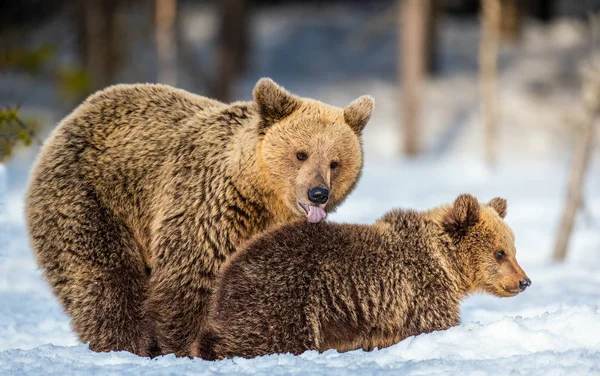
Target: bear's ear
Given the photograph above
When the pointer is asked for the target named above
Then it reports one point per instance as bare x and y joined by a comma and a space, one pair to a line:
358, 113
499, 204
274, 102
463, 214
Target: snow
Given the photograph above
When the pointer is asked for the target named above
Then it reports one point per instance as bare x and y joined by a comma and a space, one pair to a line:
553, 328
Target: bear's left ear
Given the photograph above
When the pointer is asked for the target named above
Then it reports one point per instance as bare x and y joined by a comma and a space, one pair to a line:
358, 113
499, 204
464, 214
274, 102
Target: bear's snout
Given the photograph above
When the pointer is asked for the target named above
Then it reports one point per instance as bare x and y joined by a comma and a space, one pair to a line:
524, 283
318, 195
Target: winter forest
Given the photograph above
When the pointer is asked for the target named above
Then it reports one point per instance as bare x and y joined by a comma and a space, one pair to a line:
496, 98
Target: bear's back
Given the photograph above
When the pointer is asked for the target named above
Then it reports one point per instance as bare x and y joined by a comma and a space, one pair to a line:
301, 248
300, 253
304, 286
137, 110
267, 286
124, 143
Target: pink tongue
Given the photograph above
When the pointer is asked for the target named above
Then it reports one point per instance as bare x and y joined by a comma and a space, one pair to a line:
315, 214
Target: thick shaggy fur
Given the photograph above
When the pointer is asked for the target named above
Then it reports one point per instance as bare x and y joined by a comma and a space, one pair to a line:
339, 286
144, 191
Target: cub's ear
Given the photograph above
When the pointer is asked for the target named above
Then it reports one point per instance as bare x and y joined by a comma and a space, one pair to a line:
499, 204
463, 214
358, 113
274, 102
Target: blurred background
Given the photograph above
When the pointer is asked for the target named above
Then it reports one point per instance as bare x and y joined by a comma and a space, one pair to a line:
464, 89
490, 97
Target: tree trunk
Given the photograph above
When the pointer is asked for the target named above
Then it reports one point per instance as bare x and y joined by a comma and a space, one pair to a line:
166, 43
511, 20
233, 45
543, 10
431, 38
413, 14
574, 197
584, 143
488, 76
100, 41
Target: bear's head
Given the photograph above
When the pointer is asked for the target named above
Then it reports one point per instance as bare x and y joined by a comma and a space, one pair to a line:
310, 154
485, 246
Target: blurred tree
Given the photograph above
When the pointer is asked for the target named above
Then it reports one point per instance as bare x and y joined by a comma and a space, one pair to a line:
99, 40
231, 51
583, 145
511, 19
381, 21
413, 26
543, 10
432, 35
488, 76
581, 158
233, 45
166, 43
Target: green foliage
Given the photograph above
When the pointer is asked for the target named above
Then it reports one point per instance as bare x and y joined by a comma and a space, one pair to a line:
74, 82
14, 131
30, 61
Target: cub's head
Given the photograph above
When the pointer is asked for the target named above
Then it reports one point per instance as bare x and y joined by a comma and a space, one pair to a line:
310, 153
485, 246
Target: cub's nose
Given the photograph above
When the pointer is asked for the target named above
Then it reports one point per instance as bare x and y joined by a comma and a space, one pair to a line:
318, 195
524, 283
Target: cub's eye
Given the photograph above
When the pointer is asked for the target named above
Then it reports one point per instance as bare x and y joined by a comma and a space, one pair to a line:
334, 165
301, 156
500, 255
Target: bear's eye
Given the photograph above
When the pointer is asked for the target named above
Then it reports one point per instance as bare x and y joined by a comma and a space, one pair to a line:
500, 255
301, 156
334, 165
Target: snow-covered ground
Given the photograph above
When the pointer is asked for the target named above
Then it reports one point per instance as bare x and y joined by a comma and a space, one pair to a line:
552, 328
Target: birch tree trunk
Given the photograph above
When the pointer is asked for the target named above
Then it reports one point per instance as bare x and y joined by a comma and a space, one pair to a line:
413, 25
584, 144
488, 76
581, 158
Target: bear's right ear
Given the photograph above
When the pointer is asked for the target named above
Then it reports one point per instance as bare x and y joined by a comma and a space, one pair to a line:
499, 205
358, 113
464, 214
274, 102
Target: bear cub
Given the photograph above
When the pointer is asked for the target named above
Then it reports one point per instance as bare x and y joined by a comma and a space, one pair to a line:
305, 287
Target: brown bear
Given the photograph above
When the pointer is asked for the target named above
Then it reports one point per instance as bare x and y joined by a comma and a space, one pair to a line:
305, 287
144, 191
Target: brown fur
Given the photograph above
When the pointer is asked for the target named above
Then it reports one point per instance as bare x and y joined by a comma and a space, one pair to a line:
144, 191
340, 286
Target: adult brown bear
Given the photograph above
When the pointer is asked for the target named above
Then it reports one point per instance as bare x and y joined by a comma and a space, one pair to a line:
144, 191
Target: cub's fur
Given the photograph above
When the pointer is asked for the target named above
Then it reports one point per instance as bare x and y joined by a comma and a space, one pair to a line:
340, 286
144, 191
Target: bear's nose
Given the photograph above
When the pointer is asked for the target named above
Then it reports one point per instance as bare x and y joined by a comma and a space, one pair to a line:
318, 195
524, 283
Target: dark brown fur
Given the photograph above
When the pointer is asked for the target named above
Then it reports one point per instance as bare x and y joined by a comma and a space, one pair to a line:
339, 286
144, 191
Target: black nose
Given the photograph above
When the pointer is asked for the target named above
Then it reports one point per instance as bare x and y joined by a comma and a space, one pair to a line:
318, 195
525, 283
